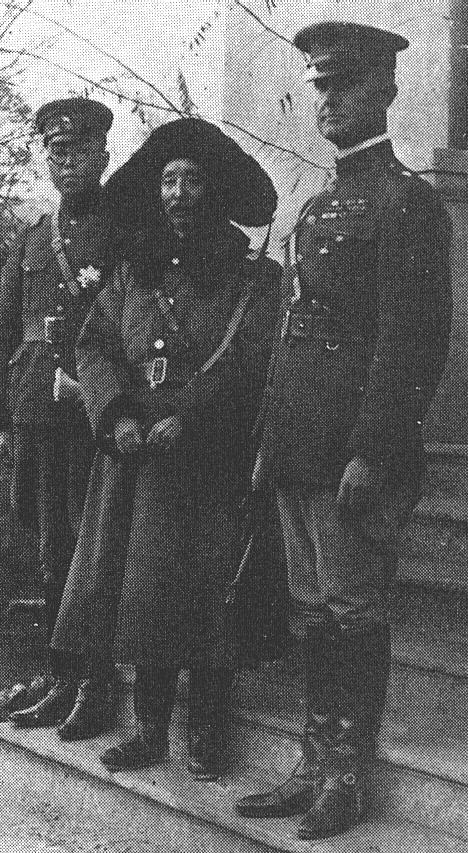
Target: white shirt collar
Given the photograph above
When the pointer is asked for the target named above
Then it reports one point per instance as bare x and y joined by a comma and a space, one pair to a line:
368, 143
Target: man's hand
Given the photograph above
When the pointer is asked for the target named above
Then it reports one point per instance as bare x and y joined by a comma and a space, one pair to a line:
5, 444
128, 435
358, 487
165, 433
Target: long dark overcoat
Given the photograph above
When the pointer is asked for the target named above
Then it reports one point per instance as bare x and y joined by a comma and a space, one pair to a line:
154, 551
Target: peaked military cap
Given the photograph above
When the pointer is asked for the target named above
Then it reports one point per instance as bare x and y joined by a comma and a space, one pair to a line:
73, 117
338, 47
244, 191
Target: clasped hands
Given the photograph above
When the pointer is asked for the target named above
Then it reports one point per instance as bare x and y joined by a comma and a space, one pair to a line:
129, 435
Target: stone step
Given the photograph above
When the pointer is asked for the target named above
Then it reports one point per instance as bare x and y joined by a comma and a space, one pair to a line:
165, 809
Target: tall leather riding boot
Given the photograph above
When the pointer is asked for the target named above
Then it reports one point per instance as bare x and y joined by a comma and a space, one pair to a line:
208, 721
95, 708
348, 744
154, 695
297, 794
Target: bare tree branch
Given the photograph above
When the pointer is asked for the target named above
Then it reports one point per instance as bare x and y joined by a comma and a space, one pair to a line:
103, 52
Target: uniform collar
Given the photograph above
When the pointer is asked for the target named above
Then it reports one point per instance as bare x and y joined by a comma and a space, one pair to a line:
362, 146
363, 155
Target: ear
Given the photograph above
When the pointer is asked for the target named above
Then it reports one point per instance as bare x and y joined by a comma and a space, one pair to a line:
391, 92
105, 157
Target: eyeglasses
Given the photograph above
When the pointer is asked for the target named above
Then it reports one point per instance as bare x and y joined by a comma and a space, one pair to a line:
76, 153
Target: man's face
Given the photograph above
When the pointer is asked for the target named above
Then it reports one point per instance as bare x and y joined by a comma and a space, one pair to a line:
76, 165
183, 194
352, 108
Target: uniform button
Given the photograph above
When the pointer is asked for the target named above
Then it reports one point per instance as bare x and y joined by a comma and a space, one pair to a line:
61, 285
159, 344
73, 222
176, 261
324, 250
59, 308
171, 300
335, 202
339, 238
419, 423
67, 241
299, 257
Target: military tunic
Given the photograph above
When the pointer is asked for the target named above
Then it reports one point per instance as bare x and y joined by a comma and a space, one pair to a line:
52, 442
367, 311
154, 551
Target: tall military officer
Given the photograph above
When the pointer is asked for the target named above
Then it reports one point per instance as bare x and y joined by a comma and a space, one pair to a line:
367, 311
48, 284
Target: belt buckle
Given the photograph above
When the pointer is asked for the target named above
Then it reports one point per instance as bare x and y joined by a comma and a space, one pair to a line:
158, 371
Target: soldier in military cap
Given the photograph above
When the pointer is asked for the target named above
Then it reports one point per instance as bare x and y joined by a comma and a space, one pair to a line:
364, 339
48, 284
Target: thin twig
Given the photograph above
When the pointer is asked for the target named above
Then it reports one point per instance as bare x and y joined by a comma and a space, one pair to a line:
103, 52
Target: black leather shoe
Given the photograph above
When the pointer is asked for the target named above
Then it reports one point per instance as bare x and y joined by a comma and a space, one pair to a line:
13, 699
149, 747
92, 714
53, 708
339, 807
294, 796
207, 752
21, 696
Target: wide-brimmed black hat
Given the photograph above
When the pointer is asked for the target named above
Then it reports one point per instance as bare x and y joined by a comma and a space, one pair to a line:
243, 190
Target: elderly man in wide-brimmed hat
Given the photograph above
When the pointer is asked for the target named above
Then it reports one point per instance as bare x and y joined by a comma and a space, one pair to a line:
171, 361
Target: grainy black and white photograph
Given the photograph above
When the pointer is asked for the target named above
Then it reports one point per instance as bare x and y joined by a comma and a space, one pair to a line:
233, 426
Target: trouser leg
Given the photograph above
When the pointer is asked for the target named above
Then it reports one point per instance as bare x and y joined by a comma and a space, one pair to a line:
338, 582
49, 444
352, 575
56, 538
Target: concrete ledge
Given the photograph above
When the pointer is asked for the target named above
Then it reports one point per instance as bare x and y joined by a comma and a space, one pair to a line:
401, 799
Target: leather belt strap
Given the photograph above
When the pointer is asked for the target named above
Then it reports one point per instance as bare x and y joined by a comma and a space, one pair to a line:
231, 330
62, 260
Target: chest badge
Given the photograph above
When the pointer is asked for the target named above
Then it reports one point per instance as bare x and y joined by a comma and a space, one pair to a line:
88, 275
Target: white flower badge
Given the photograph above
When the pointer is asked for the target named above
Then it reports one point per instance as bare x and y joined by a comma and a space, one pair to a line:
88, 275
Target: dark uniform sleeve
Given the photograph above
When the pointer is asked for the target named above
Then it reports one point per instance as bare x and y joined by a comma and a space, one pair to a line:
242, 370
415, 309
10, 318
101, 364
